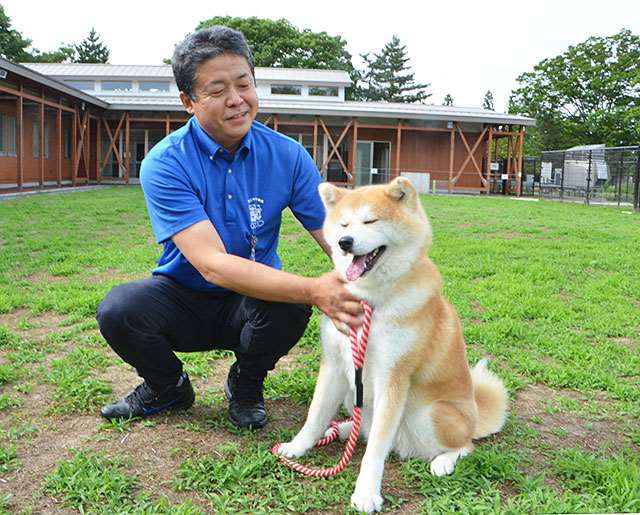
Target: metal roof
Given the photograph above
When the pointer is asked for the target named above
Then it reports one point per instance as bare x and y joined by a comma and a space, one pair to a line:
97, 71
23, 71
345, 109
303, 106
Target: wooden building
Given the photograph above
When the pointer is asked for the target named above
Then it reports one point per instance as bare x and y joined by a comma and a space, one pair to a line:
74, 124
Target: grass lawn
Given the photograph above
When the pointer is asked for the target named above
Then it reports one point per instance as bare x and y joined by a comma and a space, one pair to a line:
549, 291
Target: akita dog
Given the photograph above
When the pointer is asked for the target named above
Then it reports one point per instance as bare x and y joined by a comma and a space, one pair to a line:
420, 397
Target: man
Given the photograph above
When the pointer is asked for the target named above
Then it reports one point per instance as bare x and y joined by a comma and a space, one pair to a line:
215, 190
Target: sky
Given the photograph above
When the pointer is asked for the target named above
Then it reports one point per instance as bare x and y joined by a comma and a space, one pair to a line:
463, 48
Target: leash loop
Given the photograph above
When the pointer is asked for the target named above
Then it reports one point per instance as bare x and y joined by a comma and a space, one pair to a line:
358, 350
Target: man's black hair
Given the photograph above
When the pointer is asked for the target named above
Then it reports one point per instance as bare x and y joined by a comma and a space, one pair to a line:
203, 45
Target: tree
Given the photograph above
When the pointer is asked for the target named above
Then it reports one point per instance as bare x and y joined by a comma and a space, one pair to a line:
66, 53
586, 95
91, 49
387, 79
487, 103
448, 100
280, 44
12, 45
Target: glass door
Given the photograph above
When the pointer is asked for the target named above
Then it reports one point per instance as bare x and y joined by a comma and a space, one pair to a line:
364, 162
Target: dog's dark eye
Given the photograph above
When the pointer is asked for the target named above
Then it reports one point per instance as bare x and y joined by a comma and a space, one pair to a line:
369, 221
344, 224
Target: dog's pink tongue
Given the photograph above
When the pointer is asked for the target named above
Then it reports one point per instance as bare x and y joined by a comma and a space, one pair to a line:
356, 268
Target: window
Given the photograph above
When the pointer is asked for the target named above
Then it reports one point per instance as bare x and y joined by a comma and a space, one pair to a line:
154, 86
7, 135
36, 140
67, 142
84, 85
322, 91
119, 86
282, 89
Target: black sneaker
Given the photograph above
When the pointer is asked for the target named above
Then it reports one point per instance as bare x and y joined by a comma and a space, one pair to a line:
144, 401
246, 403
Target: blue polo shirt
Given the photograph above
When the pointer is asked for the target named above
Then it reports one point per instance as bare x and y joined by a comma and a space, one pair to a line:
188, 177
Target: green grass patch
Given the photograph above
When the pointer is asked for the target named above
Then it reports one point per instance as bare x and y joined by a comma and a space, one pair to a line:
550, 291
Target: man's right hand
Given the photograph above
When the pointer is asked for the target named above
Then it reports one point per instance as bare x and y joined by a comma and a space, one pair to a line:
334, 300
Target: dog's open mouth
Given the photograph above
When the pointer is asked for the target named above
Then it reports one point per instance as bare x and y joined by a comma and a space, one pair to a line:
362, 264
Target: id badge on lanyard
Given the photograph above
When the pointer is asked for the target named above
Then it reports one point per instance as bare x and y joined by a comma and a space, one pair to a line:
253, 241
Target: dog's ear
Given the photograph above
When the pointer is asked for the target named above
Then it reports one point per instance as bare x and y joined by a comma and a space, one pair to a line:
330, 194
402, 190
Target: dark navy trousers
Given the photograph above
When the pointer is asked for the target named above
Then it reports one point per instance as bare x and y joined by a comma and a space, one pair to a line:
145, 321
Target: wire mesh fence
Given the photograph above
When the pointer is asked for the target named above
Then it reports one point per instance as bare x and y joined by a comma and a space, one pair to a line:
592, 174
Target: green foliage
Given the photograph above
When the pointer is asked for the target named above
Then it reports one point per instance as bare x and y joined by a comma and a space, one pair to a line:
12, 45
487, 102
448, 100
66, 53
589, 94
280, 44
387, 78
91, 49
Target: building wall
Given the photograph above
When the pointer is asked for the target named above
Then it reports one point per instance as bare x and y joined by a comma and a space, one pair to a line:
31, 165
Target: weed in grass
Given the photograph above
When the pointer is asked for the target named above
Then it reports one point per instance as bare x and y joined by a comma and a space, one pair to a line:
8, 459
248, 479
6, 402
75, 390
120, 425
25, 388
613, 483
7, 373
89, 482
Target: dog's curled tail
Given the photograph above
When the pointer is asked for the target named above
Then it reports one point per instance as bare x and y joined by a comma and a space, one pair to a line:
491, 399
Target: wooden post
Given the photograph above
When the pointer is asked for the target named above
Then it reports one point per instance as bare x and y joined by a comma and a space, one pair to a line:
489, 143
509, 145
127, 153
42, 142
167, 125
74, 155
315, 140
398, 144
98, 150
520, 151
452, 143
275, 122
60, 144
354, 150
20, 141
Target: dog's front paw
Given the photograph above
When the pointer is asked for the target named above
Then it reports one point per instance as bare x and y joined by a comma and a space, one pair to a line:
442, 465
366, 501
293, 449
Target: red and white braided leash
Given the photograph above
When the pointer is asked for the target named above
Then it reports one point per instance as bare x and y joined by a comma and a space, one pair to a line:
358, 350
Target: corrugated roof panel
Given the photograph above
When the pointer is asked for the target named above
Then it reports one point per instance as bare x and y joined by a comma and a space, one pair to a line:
362, 109
80, 70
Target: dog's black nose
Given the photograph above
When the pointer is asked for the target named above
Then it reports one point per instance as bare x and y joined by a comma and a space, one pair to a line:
346, 243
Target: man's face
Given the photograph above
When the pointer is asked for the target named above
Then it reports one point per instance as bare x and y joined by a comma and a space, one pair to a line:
226, 101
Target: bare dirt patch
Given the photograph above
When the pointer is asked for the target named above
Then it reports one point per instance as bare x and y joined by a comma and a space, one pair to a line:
30, 326
566, 428
628, 343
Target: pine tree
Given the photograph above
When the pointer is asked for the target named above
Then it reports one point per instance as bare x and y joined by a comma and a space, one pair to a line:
387, 79
448, 100
487, 103
91, 49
